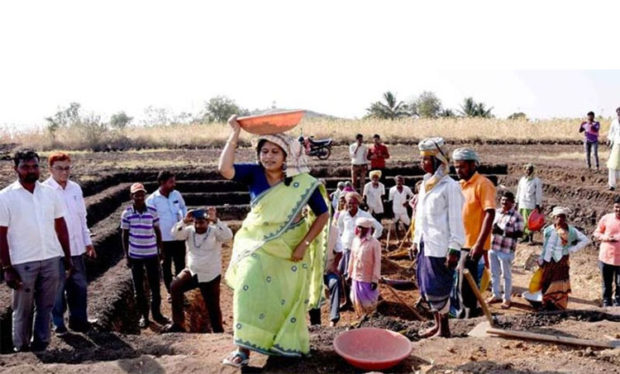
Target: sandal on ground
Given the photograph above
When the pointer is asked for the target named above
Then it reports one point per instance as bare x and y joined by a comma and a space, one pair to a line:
506, 305
236, 359
493, 300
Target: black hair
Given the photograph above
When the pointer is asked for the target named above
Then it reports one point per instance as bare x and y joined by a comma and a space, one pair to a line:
617, 200
509, 195
357, 136
591, 113
25, 154
376, 136
164, 175
259, 146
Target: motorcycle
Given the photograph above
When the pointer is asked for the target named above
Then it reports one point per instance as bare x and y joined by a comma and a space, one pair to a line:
322, 149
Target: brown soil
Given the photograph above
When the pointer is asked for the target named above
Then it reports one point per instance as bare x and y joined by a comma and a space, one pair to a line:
115, 347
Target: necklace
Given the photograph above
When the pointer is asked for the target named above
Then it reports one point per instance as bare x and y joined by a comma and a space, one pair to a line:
206, 235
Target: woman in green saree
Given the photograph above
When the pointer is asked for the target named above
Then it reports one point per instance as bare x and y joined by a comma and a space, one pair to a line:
276, 268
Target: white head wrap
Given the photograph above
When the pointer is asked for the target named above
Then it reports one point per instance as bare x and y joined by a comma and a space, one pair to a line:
465, 154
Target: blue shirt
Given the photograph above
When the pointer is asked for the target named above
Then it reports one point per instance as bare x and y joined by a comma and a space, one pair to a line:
254, 177
170, 210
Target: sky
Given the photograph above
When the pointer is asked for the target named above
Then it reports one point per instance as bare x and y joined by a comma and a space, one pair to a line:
547, 59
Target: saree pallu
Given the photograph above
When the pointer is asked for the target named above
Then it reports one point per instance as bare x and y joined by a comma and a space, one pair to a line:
556, 284
271, 292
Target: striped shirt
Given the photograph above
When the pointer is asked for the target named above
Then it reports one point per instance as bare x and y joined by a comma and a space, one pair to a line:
142, 239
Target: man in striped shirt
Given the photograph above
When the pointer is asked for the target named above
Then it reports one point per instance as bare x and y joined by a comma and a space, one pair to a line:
142, 243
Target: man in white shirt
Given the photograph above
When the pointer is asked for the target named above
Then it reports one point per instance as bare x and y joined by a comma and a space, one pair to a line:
171, 209
359, 162
439, 233
529, 197
373, 194
33, 240
204, 263
400, 195
613, 164
71, 291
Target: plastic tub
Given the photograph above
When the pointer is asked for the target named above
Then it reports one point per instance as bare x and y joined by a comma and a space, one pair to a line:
371, 348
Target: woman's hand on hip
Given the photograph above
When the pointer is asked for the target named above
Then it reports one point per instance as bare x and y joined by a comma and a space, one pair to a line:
299, 252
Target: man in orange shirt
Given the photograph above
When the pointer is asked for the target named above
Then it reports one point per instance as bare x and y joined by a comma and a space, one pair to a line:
478, 215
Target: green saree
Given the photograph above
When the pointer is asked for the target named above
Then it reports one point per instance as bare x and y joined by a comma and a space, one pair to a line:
272, 293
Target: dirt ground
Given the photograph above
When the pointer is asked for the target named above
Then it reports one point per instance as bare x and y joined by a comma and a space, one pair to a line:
566, 181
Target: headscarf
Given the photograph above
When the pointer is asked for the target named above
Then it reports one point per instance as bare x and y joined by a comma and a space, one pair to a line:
465, 154
364, 222
340, 184
375, 172
296, 162
558, 210
526, 167
435, 147
353, 195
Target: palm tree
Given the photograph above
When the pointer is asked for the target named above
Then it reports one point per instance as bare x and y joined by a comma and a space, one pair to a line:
472, 109
391, 109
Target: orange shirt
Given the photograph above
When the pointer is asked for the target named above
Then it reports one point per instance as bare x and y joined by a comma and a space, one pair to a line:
479, 194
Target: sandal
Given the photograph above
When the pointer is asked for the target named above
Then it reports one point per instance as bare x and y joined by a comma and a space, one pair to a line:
236, 359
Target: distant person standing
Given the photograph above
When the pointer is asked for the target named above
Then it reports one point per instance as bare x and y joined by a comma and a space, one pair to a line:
529, 197
359, 162
33, 240
478, 216
373, 194
377, 154
608, 233
400, 195
171, 209
613, 164
73, 290
591, 128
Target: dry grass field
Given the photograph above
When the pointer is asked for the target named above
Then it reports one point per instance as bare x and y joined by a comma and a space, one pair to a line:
342, 131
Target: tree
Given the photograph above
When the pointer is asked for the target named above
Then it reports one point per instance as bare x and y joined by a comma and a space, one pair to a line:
63, 118
517, 116
391, 109
220, 108
446, 113
472, 109
428, 105
120, 120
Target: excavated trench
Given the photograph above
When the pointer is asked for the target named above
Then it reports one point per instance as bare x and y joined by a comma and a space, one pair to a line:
111, 298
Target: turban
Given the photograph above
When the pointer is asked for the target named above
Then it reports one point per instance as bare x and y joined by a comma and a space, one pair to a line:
340, 184
375, 172
364, 222
527, 166
296, 162
353, 195
434, 147
465, 154
559, 210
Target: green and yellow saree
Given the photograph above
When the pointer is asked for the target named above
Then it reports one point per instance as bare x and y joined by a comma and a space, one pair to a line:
272, 293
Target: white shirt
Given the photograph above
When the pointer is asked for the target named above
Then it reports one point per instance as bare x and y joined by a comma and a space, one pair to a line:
373, 197
400, 198
358, 157
439, 217
170, 210
346, 225
529, 192
204, 251
30, 220
614, 132
335, 198
79, 234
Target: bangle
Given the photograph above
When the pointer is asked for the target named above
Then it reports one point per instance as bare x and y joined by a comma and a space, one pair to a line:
307, 242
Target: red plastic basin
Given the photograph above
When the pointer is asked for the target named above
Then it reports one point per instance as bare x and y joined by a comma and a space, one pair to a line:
271, 123
371, 348
536, 221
